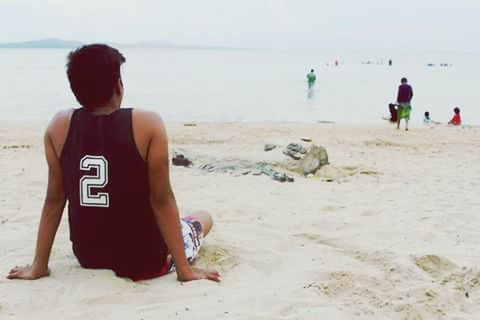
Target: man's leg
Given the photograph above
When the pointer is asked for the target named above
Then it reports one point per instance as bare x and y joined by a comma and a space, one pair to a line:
399, 108
204, 218
195, 227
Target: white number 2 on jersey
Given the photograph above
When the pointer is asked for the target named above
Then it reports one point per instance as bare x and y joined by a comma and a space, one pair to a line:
89, 182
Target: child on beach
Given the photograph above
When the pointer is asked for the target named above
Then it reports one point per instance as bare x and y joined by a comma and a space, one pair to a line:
456, 120
112, 166
427, 120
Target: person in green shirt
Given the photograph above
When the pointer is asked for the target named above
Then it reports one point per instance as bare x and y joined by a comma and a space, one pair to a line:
311, 77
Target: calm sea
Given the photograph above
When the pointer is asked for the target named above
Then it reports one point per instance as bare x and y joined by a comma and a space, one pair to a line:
252, 85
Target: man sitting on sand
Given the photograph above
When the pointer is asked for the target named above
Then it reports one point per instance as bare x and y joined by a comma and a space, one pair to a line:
111, 164
405, 95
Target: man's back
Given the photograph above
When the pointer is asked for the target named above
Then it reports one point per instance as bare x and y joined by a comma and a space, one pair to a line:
112, 224
405, 93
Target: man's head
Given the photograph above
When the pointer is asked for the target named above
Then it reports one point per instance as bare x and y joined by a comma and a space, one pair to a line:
311, 71
404, 80
456, 110
427, 114
94, 75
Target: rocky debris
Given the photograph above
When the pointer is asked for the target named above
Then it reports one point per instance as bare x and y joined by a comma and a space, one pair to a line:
296, 147
295, 151
181, 160
22, 146
282, 177
269, 147
293, 155
239, 168
309, 163
315, 158
274, 174
256, 172
305, 161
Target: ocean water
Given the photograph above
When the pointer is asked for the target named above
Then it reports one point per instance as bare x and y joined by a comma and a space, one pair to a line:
252, 85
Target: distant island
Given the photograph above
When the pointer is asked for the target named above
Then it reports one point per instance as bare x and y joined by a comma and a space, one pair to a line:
53, 43
42, 43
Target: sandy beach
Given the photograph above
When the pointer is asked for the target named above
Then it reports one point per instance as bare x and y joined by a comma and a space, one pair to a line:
388, 230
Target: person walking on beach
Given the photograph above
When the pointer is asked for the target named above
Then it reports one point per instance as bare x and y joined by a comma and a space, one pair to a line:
311, 77
404, 97
112, 166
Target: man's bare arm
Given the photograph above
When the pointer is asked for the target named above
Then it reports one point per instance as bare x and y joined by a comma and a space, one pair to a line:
164, 204
50, 220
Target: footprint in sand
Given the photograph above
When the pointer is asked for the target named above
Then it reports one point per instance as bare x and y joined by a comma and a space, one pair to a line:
447, 273
383, 143
335, 173
218, 257
397, 290
315, 238
434, 265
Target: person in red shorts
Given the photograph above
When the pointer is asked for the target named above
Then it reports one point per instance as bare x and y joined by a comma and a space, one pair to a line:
111, 164
456, 120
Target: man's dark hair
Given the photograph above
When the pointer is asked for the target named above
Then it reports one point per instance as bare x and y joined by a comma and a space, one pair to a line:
93, 71
456, 110
427, 114
311, 70
404, 80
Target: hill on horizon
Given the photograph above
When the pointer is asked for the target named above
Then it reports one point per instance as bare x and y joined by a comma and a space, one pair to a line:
54, 43
42, 43
60, 43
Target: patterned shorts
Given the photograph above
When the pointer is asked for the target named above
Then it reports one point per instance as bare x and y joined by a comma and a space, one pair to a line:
192, 239
404, 110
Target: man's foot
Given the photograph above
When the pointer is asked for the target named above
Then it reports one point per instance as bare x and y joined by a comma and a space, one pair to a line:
406, 129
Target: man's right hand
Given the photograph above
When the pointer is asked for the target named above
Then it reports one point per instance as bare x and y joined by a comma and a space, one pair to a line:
198, 274
28, 273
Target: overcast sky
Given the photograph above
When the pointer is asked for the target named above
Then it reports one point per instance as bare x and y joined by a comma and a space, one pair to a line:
385, 25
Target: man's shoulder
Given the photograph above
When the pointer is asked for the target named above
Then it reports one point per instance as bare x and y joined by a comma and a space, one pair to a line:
60, 121
147, 124
57, 130
146, 118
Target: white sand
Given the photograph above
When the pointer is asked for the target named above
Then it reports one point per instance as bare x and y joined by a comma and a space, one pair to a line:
395, 235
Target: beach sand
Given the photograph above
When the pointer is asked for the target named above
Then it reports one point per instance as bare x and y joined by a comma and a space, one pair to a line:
389, 230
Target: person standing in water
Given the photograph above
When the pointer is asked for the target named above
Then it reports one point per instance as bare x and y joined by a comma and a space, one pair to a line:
311, 77
404, 97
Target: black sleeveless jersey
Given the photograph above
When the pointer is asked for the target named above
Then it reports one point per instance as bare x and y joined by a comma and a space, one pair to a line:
112, 224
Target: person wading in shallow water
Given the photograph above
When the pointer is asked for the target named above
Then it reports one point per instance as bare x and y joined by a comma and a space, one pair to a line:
112, 166
404, 98
311, 77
